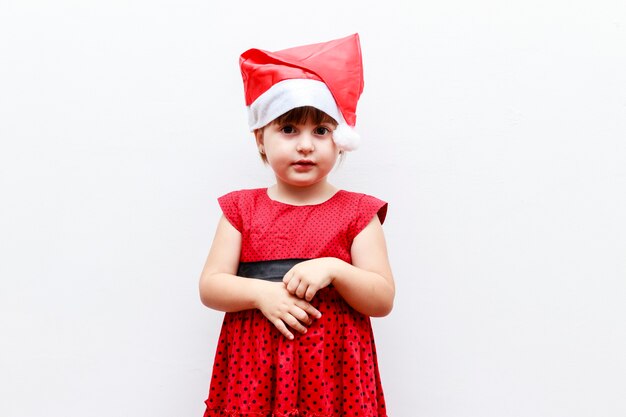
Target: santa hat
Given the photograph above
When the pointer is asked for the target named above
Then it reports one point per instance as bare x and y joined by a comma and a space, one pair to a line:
327, 76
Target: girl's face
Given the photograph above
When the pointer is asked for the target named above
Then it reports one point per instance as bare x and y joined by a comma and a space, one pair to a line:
300, 154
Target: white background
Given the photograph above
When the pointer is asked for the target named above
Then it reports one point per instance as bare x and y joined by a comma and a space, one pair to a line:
496, 130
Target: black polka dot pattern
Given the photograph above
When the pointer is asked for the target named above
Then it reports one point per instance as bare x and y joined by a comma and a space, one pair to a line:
332, 369
273, 230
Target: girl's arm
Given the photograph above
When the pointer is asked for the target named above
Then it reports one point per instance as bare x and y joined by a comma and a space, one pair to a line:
222, 290
367, 285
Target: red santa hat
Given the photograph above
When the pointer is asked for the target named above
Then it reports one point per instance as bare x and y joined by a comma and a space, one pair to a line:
327, 76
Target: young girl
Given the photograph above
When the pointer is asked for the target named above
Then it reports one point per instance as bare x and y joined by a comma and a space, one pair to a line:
300, 266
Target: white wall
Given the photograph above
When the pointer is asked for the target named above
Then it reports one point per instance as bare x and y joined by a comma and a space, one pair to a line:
496, 130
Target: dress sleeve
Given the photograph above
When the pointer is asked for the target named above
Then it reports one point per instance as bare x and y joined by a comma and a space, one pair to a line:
230, 205
367, 208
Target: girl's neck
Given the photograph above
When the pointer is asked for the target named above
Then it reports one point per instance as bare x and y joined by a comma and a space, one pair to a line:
301, 196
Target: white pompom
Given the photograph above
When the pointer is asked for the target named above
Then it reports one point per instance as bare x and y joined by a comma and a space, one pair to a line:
346, 137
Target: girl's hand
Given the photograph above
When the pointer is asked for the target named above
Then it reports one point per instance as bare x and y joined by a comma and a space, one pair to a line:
305, 279
283, 309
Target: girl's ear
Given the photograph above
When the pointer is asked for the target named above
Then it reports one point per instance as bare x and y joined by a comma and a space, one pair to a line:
258, 135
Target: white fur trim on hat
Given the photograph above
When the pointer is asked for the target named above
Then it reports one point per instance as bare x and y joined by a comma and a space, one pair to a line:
290, 94
346, 138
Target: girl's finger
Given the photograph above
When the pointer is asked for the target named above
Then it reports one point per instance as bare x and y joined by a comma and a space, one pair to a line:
301, 290
294, 323
310, 293
309, 309
278, 323
301, 315
294, 282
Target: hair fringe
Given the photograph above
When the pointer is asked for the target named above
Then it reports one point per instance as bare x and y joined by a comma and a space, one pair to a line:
301, 115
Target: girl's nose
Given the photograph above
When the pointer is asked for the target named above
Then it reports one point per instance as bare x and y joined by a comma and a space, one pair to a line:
305, 144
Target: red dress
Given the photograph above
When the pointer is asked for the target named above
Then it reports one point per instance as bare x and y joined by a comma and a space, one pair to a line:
332, 369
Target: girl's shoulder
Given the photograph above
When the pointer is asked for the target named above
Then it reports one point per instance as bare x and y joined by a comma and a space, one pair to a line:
241, 198
355, 195
363, 205
245, 193
236, 204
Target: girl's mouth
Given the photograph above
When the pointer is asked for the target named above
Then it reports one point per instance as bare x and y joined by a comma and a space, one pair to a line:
303, 165
304, 162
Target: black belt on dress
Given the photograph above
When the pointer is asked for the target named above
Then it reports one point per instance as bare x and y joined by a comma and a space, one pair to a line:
267, 270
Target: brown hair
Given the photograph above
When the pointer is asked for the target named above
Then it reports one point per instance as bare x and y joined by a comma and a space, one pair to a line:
299, 115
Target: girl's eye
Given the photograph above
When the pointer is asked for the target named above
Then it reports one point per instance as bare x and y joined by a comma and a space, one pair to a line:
288, 129
321, 130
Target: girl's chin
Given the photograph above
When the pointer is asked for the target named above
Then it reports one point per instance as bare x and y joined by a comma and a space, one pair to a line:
300, 182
